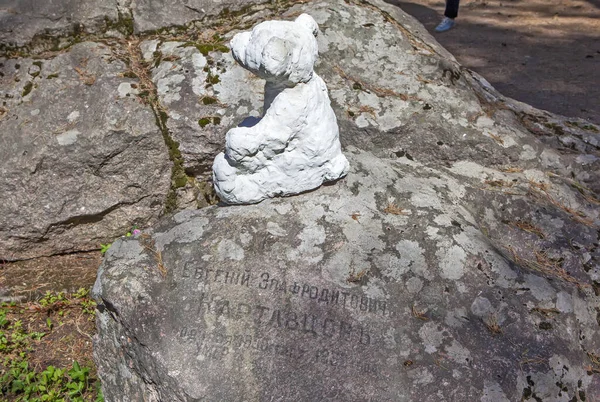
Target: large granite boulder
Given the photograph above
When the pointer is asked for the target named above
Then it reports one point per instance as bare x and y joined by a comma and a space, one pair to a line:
54, 24
81, 158
457, 261
99, 133
22, 21
152, 14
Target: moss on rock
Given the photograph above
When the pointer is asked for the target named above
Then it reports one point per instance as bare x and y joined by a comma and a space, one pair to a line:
27, 89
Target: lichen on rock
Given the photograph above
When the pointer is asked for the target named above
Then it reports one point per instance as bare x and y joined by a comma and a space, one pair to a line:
458, 260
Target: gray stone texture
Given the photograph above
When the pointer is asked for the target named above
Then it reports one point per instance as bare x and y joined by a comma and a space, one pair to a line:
202, 95
22, 20
81, 159
85, 148
154, 14
457, 261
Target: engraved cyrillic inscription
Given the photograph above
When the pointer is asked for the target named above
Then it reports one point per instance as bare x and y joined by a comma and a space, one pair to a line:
313, 324
340, 298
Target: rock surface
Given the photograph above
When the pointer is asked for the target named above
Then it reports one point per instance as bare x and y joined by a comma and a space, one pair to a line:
80, 160
86, 141
458, 260
22, 21
152, 14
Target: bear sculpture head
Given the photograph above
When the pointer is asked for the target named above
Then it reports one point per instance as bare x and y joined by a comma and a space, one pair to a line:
279, 51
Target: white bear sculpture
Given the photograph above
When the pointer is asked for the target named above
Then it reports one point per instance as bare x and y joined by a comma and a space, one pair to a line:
294, 146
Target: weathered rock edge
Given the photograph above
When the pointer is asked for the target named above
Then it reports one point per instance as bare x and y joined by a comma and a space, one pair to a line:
97, 71
55, 69
476, 224
26, 30
81, 160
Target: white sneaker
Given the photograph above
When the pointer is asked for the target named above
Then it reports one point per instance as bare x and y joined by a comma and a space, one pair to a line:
445, 25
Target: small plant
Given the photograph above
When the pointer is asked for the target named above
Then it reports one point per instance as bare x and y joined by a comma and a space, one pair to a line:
23, 376
88, 307
52, 298
133, 232
205, 121
3, 319
52, 384
81, 293
104, 248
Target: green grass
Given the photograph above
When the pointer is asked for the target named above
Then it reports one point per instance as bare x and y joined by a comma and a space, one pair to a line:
32, 335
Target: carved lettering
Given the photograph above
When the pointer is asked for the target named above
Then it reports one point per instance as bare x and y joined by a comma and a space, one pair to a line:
291, 321
243, 309
369, 368
335, 295
264, 283
373, 303
275, 285
324, 298
204, 302
328, 328
261, 310
198, 273
275, 318
305, 290
328, 357
305, 325
345, 331
354, 301
382, 307
314, 324
246, 279
222, 307
232, 277
365, 338
364, 303
344, 300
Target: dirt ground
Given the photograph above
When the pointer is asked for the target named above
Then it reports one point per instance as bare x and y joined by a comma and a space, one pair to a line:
545, 53
24, 281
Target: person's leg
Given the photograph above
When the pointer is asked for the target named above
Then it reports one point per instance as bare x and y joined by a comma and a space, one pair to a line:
451, 8
449, 16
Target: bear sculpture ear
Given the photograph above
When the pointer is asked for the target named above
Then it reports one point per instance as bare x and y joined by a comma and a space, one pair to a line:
276, 57
238, 45
308, 22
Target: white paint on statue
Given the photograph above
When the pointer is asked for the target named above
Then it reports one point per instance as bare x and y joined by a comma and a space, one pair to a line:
294, 146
